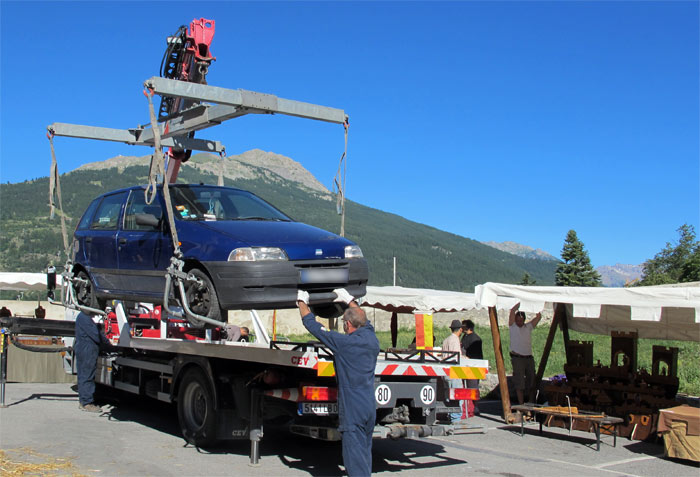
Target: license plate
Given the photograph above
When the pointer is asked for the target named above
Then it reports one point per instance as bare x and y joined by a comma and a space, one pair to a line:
323, 275
318, 409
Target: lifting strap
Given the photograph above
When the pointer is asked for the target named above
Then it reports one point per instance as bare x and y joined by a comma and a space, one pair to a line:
55, 195
158, 168
339, 182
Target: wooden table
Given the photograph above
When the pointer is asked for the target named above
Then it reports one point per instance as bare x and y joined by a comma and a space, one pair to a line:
596, 419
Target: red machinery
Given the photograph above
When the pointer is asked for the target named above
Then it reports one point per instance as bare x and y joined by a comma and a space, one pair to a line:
187, 58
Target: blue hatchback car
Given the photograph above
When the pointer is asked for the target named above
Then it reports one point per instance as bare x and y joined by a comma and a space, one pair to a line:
243, 252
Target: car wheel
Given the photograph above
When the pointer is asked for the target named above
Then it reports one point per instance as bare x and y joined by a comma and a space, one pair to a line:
84, 290
201, 295
195, 409
328, 310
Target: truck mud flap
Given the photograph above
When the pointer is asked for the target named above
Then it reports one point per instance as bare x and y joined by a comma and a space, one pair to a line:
230, 426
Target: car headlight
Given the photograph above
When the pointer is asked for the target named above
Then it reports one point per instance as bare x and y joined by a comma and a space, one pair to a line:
256, 254
353, 251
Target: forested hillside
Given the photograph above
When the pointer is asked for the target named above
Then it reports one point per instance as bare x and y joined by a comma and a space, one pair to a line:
426, 257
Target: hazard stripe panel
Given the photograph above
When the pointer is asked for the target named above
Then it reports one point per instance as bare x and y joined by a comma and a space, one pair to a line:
454, 372
325, 368
463, 372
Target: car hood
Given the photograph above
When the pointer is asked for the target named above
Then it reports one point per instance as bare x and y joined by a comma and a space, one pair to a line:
300, 241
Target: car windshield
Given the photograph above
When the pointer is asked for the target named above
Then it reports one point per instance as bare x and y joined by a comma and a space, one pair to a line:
220, 203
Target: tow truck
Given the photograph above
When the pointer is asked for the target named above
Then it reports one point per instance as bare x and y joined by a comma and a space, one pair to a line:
231, 390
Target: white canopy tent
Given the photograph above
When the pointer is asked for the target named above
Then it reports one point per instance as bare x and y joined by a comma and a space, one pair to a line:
417, 300
660, 312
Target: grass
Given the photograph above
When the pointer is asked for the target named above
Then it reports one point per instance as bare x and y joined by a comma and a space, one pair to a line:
688, 352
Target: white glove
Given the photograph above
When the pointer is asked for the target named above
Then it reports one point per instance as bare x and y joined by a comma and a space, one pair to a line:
343, 296
303, 296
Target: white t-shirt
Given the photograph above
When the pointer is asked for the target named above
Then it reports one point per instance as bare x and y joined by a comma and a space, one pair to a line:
521, 339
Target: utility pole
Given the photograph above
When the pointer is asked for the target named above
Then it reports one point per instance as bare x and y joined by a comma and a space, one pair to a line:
394, 271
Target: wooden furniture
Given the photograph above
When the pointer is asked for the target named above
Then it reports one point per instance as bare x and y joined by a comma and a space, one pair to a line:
608, 423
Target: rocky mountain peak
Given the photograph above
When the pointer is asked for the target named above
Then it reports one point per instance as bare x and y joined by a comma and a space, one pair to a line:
521, 250
251, 164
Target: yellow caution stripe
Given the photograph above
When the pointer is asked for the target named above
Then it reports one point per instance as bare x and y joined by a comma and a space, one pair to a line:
465, 372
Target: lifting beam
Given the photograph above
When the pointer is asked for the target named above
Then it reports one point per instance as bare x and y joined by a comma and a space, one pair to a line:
228, 104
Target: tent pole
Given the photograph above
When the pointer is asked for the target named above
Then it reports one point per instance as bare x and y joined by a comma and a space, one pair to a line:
500, 365
394, 328
558, 311
564, 323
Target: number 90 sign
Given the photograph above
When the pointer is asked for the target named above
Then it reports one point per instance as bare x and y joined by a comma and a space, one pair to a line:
427, 394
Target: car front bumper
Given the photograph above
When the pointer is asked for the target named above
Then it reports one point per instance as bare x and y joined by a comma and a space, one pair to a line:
273, 284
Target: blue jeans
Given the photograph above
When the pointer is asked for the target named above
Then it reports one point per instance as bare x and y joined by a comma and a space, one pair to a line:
456, 383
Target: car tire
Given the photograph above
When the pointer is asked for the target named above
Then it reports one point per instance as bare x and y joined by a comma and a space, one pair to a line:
195, 409
85, 291
202, 300
328, 310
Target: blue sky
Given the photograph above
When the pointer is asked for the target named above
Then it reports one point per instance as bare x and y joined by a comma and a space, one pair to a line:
491, 120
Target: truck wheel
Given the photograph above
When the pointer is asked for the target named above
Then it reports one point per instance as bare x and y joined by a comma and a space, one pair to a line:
195, 409
202, 299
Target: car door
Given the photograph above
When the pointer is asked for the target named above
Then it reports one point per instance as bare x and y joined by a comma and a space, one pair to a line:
101, 242
144, 250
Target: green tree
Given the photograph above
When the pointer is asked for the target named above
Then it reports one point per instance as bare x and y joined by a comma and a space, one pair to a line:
676, 263
527, 280
576, 269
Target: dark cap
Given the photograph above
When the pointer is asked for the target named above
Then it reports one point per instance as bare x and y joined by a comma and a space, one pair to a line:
456, 324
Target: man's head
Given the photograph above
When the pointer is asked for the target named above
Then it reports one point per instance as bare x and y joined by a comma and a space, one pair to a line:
353, 318
468, 326
456, 327
520, 318
244, 332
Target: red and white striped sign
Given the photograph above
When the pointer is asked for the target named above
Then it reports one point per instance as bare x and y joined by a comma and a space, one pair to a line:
290, 394
404, 369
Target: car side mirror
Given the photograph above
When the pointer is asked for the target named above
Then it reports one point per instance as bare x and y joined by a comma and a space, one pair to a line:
147, 219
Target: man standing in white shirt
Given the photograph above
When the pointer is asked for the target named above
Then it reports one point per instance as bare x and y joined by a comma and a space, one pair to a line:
452, 343
521, 353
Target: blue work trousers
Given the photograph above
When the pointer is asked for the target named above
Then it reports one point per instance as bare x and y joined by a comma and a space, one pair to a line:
357, 449
86, 361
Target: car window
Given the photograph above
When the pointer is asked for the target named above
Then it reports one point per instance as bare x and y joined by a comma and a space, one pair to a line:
87, 216
215, 203
107, 215
137, 205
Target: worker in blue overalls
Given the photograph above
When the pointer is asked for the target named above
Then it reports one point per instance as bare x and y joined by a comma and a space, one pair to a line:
88, 339
355, 355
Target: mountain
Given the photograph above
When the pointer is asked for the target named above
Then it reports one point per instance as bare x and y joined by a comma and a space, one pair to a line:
619, 275
426, 257
521, 250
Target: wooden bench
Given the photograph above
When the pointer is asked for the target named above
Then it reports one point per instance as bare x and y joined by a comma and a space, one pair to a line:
596, 419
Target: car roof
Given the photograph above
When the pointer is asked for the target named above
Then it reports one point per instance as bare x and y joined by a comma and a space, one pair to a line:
160, 186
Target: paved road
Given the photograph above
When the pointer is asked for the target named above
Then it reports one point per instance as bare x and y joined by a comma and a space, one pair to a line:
42, 423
